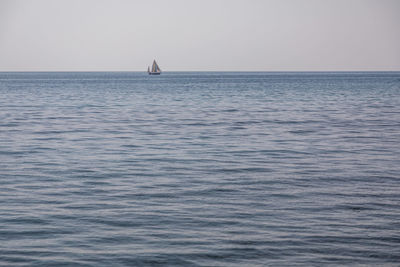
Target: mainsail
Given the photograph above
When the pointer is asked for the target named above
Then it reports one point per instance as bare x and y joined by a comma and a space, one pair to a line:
155, 69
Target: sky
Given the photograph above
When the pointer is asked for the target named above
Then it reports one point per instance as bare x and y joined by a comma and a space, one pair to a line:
200, 35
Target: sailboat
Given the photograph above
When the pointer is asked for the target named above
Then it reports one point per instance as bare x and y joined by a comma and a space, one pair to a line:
155, 69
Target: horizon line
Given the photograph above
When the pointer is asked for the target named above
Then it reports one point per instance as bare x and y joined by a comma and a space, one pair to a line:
170, 71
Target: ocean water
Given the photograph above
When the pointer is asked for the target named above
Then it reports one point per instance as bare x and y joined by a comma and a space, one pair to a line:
200, 169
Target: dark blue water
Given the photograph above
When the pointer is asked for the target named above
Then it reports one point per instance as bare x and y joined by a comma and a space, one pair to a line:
199, 169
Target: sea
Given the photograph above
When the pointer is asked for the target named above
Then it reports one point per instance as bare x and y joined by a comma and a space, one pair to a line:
200, 169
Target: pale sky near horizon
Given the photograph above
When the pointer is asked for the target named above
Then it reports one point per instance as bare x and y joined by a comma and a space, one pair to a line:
204, 35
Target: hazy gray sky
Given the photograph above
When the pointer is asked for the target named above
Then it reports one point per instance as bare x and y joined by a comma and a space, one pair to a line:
264, 35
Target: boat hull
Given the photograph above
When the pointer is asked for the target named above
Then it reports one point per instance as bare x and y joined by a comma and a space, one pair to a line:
154, 73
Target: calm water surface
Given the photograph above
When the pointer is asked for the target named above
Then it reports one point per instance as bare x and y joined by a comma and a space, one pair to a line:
200, 169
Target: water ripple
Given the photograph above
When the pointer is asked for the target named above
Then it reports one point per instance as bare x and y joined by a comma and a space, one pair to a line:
199, 169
